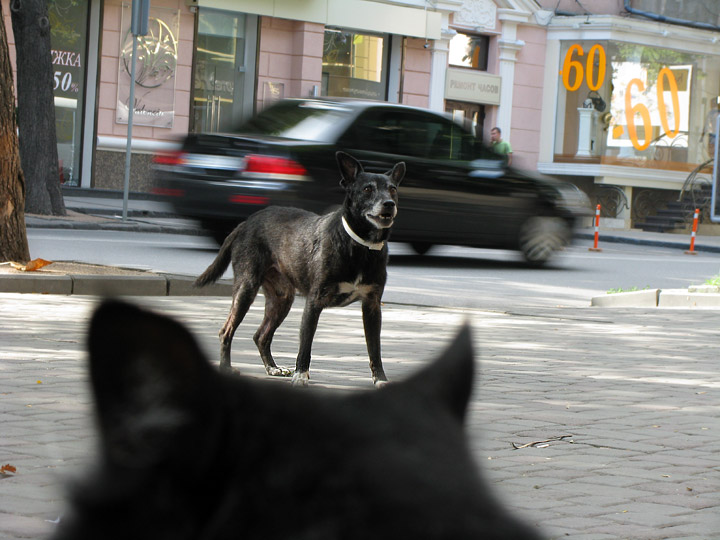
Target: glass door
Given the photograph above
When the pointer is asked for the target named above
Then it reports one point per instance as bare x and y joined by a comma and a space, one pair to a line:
472, 115
223, 70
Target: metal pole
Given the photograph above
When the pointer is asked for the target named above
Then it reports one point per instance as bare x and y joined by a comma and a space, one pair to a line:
131, 114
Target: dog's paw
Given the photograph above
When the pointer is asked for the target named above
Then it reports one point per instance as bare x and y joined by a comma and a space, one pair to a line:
301, 379
380, 383
278, 371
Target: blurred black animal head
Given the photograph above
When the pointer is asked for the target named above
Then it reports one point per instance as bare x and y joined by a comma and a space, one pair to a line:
188, 452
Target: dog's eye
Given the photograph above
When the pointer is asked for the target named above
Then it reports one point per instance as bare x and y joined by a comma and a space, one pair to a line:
368, 189
392, 190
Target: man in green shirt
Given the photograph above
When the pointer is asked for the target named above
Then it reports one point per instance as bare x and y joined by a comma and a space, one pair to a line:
499, 146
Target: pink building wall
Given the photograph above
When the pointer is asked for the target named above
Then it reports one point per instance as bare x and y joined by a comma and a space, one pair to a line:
290, 53
416, 81
528, 96
597, 7
109, 62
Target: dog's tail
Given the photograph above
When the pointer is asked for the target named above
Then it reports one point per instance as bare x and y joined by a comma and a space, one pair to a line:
221, 262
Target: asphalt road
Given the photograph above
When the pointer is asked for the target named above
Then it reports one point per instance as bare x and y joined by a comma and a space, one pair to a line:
447, 276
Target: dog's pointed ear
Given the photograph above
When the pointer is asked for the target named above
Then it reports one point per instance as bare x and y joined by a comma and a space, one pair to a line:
448, 380
397, 173
148, 378
350, 168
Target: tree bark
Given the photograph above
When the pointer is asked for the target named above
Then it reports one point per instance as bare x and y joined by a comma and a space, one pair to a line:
13, 237
36, 107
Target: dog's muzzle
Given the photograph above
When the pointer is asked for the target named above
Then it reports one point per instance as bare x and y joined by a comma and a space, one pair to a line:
384, 216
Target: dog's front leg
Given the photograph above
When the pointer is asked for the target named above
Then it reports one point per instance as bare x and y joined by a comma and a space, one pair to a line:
372, 321
308, 326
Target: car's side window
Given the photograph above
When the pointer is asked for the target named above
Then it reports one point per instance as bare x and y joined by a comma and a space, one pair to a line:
432, 137
413, 134
374, 130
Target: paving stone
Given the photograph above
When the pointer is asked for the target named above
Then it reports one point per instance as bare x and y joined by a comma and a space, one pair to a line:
626, 384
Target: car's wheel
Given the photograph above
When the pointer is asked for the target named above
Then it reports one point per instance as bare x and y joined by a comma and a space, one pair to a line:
541, 237
421, 248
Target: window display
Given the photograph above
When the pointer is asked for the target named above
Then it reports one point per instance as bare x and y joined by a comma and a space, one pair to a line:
635, 105
354, 65
68, 38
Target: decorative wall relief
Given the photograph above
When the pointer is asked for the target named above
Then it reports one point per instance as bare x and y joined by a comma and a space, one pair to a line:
154, 71
477, 14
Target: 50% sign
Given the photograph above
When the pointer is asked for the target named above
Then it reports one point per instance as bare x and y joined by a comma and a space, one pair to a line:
573, 73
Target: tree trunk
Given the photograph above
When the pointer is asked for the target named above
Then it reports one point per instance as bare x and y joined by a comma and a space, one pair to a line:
13, 237
36, 107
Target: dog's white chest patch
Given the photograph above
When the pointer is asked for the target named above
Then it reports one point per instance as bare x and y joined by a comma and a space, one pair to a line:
354, 290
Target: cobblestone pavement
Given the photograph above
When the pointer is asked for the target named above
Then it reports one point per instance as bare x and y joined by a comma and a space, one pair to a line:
627, 401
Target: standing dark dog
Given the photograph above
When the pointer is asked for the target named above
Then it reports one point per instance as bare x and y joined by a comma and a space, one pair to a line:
333, 260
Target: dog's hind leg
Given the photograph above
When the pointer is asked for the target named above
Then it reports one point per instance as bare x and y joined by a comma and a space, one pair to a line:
279, 296
243, 297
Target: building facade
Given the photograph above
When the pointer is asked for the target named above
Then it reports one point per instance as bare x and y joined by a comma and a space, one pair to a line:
599, 93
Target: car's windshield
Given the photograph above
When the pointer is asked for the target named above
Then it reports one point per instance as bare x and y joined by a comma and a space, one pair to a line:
305, 120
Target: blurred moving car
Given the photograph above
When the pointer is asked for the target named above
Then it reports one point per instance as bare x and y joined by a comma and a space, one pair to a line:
456, 190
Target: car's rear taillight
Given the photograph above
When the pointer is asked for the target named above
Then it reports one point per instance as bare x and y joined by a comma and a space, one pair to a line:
168, 158
249, 199
273, 165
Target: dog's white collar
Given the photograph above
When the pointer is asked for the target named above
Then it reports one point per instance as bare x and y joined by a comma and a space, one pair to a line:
375, 246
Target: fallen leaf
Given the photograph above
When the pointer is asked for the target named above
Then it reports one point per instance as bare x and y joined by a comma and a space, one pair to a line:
8, 469
32, 266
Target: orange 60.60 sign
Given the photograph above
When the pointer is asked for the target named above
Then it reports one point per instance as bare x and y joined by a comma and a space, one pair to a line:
573, 72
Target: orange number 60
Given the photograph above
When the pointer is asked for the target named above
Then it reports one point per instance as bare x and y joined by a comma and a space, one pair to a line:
630, 113
662, 108
569, 64
574, 65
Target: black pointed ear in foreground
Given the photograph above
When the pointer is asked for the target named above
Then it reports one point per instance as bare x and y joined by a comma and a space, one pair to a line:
449, 378
147, 375
350, 168
397, 173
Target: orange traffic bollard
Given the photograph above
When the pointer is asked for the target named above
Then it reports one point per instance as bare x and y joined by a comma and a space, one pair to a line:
692, 251
597, 230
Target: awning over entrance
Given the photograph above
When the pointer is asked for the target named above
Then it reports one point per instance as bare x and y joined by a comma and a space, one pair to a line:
357, 14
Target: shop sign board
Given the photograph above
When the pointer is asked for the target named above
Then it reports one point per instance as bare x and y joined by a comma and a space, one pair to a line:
472, 86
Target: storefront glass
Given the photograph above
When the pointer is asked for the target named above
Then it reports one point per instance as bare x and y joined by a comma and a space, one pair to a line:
221, 73
68, 38
635, 105
354, 65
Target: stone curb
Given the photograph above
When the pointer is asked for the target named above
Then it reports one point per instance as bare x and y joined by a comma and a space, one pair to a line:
651, 298
129, 226
151, 285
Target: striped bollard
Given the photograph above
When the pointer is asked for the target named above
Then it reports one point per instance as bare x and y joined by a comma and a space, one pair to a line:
597, 230
692, 251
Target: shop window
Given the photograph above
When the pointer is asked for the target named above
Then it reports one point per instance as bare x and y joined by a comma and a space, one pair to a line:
223, 70
469, 51
68, 38
354, 65
628, 104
